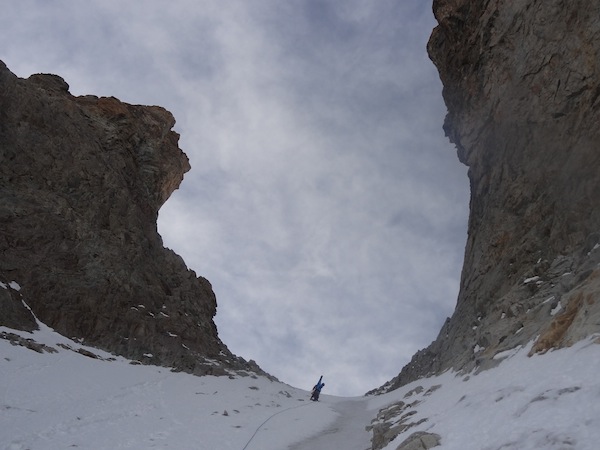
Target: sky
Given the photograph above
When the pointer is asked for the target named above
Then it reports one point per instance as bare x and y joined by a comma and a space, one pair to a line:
61, 399
324, 203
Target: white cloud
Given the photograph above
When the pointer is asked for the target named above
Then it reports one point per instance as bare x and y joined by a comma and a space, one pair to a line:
324, 203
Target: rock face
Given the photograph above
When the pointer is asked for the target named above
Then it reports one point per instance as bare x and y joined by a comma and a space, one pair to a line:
523, 97
82, 180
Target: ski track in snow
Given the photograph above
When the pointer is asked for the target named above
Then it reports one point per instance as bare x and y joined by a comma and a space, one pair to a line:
64, 400
349, 428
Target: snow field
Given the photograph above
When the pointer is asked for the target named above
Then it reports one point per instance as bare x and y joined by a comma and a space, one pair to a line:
549, 402
67, 400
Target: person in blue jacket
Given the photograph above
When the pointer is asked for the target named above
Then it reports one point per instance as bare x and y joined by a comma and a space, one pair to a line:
317, 390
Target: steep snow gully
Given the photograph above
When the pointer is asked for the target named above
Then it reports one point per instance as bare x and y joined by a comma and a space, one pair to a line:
348, 428
56, 394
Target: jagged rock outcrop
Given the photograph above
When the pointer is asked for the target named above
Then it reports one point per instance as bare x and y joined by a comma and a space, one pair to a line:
420, 441
523, 97
81, 183
13, 314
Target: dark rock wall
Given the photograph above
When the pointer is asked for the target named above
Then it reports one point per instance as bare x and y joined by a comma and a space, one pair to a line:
522, 90
81, 183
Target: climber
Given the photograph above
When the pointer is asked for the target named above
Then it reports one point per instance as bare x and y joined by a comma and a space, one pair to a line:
317, 390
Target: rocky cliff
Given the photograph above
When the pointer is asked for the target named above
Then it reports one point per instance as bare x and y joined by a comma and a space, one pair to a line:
81, 183
522, 90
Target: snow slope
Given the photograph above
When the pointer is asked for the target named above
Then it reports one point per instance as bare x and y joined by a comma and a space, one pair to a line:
549, 402
68, 400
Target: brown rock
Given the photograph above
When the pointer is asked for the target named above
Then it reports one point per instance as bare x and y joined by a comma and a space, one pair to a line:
81, 183
13, 313
420, 441
523, 96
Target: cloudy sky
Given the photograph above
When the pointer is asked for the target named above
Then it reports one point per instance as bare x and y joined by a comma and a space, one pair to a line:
324, 203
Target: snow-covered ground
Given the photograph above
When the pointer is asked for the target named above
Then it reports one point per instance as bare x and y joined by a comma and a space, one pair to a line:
549, 402
68, 400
